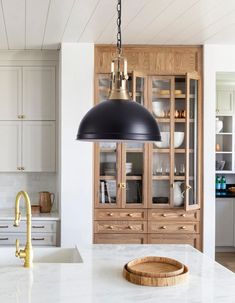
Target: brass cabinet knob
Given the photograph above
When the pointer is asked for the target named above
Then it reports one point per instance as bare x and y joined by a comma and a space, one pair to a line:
163, 215
182, 227
183, 215
130, 215
130, 227
110, 227
110, 214
163, 227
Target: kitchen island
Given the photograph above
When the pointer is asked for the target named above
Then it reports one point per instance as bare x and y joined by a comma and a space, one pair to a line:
98, 278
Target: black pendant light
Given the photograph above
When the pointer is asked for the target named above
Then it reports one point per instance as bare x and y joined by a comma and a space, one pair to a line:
119, 118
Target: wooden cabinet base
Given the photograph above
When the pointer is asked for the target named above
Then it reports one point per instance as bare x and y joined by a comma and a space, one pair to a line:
191, 239
120, 239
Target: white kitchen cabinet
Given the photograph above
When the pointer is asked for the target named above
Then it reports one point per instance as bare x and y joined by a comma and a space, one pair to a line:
27, 146
224, 222
39, 93
38, 146
10, 93
10, 151
224, 102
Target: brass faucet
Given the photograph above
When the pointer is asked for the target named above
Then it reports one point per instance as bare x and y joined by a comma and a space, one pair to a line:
27, 252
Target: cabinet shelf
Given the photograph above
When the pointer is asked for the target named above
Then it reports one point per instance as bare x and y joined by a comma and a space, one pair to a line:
167, 150
134, 150
160, 177
133, 177
107, 150
177, 120
107, 177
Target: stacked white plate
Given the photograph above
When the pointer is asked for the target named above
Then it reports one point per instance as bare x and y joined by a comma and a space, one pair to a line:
110, 168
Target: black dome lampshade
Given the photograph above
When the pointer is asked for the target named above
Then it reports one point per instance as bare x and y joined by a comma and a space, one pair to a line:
119, 118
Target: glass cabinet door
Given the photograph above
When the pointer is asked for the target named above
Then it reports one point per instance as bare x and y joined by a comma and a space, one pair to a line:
193, 172
161, 153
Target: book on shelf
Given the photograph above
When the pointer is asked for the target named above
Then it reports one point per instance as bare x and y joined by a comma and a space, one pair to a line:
102, 192
107, 192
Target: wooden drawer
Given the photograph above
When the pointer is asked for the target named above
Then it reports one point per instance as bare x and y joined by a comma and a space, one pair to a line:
120, 239
191, 239
173, 227
38, 239
118, 214
37, 226
120, 227
179, 215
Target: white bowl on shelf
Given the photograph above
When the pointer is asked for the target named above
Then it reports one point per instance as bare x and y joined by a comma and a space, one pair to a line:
165, 143
158, 110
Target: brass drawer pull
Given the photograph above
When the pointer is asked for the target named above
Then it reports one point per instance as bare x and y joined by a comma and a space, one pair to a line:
4, 239
182, 227
38, 239
163, 227
4, 226
110, 227
130, 227
163, 215
183, 215
130, 215
110, 214
38, 226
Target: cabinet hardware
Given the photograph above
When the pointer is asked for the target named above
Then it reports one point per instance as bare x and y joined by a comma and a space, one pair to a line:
163, 227
22, 168
130, 227
110, 227
18, 168
172, 185
163, 215
38, 226
122, 185
183, 215
130, 215
4, 239
183, 227
38, 239
4, 226
110, 214
188, 187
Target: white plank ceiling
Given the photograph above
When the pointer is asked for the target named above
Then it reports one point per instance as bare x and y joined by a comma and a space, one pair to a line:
44, 24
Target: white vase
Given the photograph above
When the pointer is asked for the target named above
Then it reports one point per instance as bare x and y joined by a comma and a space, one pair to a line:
218, 125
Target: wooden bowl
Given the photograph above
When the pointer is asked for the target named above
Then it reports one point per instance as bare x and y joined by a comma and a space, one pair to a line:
155, 267
231, 189
152, 281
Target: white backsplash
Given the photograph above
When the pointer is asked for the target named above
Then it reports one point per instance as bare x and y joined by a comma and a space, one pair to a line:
33, 183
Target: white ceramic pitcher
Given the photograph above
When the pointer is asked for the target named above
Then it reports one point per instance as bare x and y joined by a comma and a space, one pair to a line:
178, 194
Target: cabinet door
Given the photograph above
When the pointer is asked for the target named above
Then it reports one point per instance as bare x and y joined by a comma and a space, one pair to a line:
39, 93
10, 151
10, 93
38, 147
193, 172
224, 222
224, 102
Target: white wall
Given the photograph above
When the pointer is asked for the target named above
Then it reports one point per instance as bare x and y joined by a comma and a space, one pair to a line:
217, 58
76, 69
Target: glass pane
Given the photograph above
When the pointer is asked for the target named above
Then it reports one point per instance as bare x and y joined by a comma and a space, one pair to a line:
134, 191
161, 98
161, 164
134, 168
140, 90
104, 83
193, 101
165, 134
108, 172
160, 192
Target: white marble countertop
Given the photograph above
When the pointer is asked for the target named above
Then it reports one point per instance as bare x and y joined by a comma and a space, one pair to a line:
9, 214
99, 279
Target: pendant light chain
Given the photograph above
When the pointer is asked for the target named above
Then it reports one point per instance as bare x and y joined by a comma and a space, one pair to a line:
119, 34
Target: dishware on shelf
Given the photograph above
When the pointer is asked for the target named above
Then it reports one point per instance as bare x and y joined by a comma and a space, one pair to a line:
35, 209
158, 110
129, 167
160, 200
218, 125
177, 113
183, 114
219, 165
164, 92
178, 92
108, 145
182, 169
178, 194
165, 143
231, 189
46, 200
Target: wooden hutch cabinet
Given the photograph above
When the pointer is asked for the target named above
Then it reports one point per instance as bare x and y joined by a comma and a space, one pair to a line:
152, 192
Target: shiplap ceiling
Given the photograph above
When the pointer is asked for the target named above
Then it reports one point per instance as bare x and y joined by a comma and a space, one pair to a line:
44, 24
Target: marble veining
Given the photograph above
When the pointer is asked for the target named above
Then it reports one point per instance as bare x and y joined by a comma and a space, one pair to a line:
99, 278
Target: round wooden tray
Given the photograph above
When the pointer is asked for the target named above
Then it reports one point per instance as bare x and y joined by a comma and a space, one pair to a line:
160, 282
155, 267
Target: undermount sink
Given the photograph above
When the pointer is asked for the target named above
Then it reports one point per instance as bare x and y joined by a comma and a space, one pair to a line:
41, 255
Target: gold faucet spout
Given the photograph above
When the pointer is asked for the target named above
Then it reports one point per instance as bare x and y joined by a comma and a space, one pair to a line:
27, 252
